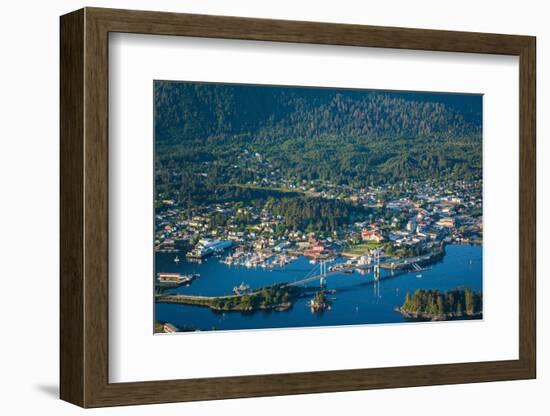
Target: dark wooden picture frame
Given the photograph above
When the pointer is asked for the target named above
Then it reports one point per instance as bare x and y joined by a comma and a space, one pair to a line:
84, 207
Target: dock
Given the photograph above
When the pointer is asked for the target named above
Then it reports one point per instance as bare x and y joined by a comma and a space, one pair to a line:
172, 280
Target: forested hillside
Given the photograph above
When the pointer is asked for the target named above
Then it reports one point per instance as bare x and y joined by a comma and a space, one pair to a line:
188, 111
213, 138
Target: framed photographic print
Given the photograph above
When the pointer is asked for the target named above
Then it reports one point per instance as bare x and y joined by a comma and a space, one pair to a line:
259, 207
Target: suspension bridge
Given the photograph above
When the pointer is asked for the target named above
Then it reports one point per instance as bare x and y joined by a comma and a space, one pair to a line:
321, 272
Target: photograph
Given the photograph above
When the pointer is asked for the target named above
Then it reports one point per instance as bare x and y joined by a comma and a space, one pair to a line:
268, 208
298, 206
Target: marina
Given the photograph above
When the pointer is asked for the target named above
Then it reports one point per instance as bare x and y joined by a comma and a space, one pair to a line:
356, 296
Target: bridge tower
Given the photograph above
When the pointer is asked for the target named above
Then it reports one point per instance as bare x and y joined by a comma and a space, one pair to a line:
323, 273
376, 264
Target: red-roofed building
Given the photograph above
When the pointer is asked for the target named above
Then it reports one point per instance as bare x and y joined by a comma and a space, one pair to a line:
372, 235
317, 249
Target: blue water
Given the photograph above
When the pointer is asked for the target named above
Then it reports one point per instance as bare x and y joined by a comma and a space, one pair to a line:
358, 300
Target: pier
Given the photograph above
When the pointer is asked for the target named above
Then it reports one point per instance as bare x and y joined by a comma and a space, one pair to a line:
172, 280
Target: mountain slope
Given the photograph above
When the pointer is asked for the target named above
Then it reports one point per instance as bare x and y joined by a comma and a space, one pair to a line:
187, 111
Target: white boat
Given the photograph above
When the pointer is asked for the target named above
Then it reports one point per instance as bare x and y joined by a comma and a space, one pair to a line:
177, 259
242, 288
418, 276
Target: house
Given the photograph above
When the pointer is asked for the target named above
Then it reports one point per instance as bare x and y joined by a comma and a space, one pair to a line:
168, 243
411, 225
279, 247
302, 244
317, 249
446, 222
372, 235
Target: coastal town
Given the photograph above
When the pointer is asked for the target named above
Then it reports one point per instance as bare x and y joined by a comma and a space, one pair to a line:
401, 220
402, 230
289, 212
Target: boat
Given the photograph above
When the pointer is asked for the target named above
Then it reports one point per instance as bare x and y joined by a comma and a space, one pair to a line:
175, 279
242, 288
177, 259
418, 276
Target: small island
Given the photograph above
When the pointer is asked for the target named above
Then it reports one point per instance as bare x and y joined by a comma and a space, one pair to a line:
319, 302
433, 305
279, 297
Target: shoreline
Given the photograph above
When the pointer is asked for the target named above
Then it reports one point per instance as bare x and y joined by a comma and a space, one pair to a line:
279, 297
280, 307
426, 317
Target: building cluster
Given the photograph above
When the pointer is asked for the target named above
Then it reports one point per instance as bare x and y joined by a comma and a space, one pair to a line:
409, 214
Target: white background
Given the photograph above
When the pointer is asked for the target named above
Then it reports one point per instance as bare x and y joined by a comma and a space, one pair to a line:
29, 209
135, 355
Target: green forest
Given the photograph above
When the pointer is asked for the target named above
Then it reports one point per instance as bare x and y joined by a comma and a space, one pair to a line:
314, 214
214, 141
269, 297
266, 298
189, 111
435, 304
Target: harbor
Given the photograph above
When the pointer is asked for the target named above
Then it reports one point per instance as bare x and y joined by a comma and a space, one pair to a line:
355, 295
